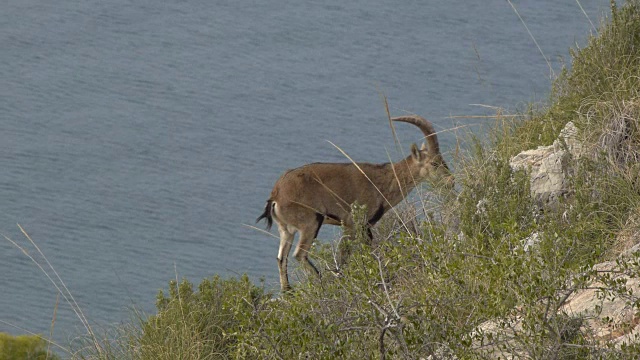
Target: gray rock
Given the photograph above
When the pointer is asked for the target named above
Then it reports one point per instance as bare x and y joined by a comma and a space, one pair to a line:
550, 166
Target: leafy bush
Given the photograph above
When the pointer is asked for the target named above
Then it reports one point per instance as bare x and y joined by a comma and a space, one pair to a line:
203, 324
24, 347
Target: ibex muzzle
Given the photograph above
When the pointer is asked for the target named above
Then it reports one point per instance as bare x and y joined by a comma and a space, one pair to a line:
322, 193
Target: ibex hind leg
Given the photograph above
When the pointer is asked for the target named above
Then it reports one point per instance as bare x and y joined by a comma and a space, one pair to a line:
286, 240
307, 235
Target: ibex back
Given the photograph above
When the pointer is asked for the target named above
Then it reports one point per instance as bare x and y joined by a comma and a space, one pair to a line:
322, 193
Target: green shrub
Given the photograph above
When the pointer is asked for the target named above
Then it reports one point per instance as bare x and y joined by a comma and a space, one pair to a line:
203, 324
24, 347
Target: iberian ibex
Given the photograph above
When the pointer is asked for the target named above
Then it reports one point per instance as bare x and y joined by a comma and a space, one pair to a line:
322, 193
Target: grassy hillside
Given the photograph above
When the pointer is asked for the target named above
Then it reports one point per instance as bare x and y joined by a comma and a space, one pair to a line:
436, 276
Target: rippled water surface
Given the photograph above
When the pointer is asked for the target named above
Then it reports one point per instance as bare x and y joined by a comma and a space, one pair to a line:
138, 137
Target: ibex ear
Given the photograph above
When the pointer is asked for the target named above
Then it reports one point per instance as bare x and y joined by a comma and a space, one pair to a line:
415, 153
424, 146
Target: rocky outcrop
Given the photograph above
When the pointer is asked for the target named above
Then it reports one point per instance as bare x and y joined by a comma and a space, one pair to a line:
611, 318
550, 166
604, 309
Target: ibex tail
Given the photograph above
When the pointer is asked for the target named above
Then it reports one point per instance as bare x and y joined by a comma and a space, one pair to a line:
267, 214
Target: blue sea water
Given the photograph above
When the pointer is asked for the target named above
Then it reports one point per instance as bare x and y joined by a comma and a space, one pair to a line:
137, 138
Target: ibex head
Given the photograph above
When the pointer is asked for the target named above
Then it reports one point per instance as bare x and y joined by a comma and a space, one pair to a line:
428, 159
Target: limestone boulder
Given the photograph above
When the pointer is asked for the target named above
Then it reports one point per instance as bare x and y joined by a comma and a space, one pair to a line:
550, 166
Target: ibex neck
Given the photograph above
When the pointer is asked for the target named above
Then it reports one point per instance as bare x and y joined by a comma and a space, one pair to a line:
403, 178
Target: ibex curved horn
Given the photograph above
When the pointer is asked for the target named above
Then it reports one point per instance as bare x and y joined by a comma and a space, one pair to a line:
427, 129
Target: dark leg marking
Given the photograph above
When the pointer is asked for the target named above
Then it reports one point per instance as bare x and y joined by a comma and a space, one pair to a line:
374, 219
320, 219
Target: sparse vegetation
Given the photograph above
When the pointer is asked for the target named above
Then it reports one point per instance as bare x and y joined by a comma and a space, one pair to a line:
458, 282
